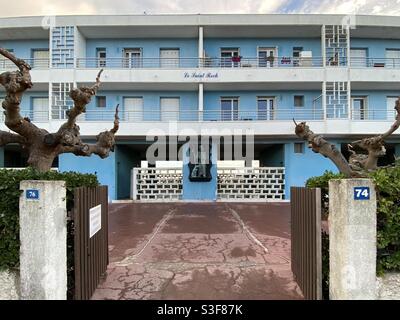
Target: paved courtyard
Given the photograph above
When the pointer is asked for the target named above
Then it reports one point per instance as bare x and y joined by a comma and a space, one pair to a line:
199, 251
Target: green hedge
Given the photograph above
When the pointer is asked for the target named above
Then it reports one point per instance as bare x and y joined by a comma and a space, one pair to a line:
387, 182
9, 211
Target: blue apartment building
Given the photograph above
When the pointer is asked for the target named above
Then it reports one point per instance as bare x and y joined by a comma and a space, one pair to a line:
233, 72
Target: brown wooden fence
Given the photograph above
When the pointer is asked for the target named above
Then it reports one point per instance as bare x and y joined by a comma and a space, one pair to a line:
306, 240
91, 252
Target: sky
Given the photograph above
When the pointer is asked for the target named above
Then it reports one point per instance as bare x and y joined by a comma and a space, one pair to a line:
66, 7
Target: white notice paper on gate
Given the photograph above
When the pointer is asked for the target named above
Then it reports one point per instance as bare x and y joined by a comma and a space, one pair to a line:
94, 220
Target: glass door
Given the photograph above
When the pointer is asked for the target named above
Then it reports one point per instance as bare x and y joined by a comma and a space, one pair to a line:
267, 57
40, 108
392, 58
101, 58
132, 58
133, 109
40, 58
390, 104
230, 57
229, 108
170, 109
359, 105
358, 58
169, 58
265, 108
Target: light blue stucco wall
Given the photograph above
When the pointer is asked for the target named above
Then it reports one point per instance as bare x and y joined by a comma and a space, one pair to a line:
150, 47
248, 47
376, 48
105, 169
26, 102
284, 108
301, 166
151, 103
376, 105
23, 48
199, 191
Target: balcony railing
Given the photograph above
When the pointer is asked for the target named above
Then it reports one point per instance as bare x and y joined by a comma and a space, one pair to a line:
194, 63
195, 115
6, 64
380, 114
182, 63
374, 114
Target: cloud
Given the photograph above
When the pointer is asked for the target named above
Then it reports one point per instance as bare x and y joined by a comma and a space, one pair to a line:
61, 7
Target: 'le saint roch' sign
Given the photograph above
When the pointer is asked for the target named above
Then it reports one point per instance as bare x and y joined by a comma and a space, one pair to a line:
200, 75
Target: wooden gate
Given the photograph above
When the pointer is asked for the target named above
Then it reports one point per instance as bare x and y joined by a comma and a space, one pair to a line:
306, 240
90, 239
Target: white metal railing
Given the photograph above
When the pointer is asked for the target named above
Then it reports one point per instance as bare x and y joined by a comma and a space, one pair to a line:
155, 184
179, 63
195, 115
36, 116
251, 183
379, 114
315, 114
6, 64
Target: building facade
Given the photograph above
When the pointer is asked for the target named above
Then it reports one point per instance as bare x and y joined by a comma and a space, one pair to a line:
230, 73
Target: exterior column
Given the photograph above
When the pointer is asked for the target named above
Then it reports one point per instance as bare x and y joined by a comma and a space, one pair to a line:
352, 239
324, 99
323, 49
201, 47
43, 235
201, 101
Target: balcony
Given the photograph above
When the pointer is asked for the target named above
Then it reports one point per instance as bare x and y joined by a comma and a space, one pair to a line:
195, 115
184, 63
6, 64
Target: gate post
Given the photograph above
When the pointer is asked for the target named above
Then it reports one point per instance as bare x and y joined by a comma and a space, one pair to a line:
43, 235
352, 239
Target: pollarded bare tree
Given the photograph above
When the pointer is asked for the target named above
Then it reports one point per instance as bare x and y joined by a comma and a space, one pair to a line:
364, 153
43, 147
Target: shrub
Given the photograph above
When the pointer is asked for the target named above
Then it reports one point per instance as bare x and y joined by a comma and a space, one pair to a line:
9, 211
323, 183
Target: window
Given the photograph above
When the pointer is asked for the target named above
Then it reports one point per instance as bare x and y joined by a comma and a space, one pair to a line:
101, 57
40, 58
101, 102
266, 57
296, 56
40, 109
299, 101
6, 63
132, 57
358, 57
229, 108
392, 58
359, 105
169, 58
390, 104
169, 108
299, 147
265, 108
230, 57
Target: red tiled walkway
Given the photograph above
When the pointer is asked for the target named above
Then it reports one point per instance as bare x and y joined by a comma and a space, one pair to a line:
199, 251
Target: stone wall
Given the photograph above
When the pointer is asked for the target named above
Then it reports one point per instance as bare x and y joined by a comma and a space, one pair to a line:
9, 285
388, 286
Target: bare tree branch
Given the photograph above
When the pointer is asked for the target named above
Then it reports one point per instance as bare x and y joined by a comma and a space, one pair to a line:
9, 137
15, 84
44, 147
319, 145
